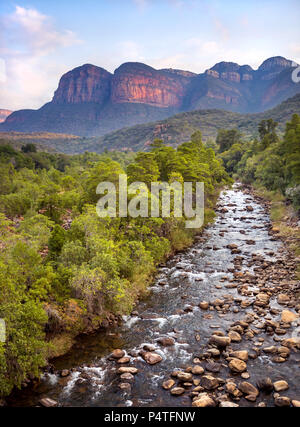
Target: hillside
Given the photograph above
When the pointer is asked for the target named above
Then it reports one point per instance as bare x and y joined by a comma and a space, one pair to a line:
91, 101
173, 130
180, 127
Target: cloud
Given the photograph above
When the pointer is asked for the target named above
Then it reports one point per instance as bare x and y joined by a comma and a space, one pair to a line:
28, 40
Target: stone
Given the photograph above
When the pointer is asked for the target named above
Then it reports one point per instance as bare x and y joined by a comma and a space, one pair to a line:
184, 376
125, 359
213, 367
125, 386
197, 370
209, 382
237, 365
127, 377
166, 342
168, 384
48, 403
240, 354
282, 401
288, 316
177, 391
280, 385
283, 299
152, 358
118, 354
228, 405
234, 336
248, 388
65, 373
265, 384
221, 342
203, 401
127, 369
296, 403
204, 305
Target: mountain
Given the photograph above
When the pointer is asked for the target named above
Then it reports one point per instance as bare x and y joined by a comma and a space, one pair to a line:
90, 101
4, 114
173, 130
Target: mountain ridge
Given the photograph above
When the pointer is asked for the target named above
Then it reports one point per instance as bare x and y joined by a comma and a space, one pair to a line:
91, 101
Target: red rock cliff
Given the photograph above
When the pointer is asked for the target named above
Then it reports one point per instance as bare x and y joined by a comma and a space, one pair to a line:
87, 83
139, 83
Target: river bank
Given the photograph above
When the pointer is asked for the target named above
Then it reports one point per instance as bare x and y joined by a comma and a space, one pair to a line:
227, 285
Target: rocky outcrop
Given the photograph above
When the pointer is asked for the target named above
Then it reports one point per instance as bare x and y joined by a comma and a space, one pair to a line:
139, 83
87, 83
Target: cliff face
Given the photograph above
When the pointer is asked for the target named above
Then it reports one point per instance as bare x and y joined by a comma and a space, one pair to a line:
91, 101
138, 83
4, 114
87, 83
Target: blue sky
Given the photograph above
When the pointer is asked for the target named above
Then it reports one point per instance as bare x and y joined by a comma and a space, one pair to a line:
42, 39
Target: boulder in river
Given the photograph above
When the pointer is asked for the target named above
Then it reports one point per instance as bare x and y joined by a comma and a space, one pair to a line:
117, 354
48, 403
237, 365
152, 358
221, 342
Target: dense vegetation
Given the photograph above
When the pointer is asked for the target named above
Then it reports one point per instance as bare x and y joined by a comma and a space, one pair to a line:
64, 270
269, 161
173, 130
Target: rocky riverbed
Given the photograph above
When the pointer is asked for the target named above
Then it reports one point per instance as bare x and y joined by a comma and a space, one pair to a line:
220, 328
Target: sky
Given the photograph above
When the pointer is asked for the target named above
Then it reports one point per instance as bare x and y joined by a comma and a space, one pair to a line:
42, 39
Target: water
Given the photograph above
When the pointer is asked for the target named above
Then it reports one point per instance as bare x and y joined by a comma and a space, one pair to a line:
191, 277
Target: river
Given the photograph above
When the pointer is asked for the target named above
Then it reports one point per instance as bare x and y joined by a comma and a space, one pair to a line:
203, 272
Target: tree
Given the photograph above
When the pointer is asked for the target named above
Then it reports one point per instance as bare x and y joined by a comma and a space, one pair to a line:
226, 138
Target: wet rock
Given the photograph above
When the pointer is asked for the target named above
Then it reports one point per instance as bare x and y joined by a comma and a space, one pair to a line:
127, 377
65, 373
184, 376
149, 347
168, 384
125, 387
177, 391
221, 342
232, 246
124, 360
127, 369
240, 354
296, 403
203, 401
249, 208
204, 305
280, 386
265, 384
283, 299
213, 367
262, 299
228, 405
248, 388
48, 403
237, 365
288, 316
166, 342
209, 382
117, 354
282, 401
152, 358
234, 336
197, 370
